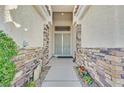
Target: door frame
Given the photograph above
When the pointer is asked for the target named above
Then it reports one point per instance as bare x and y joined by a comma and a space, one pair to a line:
62, 32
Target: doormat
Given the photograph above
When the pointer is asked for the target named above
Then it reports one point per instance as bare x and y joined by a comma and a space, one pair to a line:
64, 57
82, 81
42, 76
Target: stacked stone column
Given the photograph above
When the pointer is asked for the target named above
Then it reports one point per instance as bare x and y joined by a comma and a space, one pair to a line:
46, 44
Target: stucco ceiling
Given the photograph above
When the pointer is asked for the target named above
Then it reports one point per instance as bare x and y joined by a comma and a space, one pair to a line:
62, 8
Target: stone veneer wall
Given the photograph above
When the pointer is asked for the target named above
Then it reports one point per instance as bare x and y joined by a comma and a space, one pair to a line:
46, 44
78, 37
105, 65
27, 62
30, 62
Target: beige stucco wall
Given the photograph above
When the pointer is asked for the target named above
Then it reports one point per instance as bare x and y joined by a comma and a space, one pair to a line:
98, 27
28, 18
3, 26
102, 26
119, 26
62, 20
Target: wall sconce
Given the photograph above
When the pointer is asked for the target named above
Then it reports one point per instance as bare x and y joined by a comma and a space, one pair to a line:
25, 29
62, 14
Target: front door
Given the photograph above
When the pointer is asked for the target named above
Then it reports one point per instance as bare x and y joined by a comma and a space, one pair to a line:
62, 44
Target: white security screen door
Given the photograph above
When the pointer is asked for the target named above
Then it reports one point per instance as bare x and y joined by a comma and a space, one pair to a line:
62, 44
58, 44
66, 44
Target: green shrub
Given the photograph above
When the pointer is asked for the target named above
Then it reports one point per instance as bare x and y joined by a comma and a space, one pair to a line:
8, 49
30, 84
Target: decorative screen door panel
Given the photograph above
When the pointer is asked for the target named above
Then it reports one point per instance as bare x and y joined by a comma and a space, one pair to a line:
66, 44
58, 44
62, 44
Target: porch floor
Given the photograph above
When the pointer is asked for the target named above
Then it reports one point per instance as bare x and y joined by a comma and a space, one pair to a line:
61, 74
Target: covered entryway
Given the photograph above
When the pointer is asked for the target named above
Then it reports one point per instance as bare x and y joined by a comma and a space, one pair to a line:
94, 34
62, 31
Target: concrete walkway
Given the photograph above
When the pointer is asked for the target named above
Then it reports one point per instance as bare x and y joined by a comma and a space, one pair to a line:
61, 74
